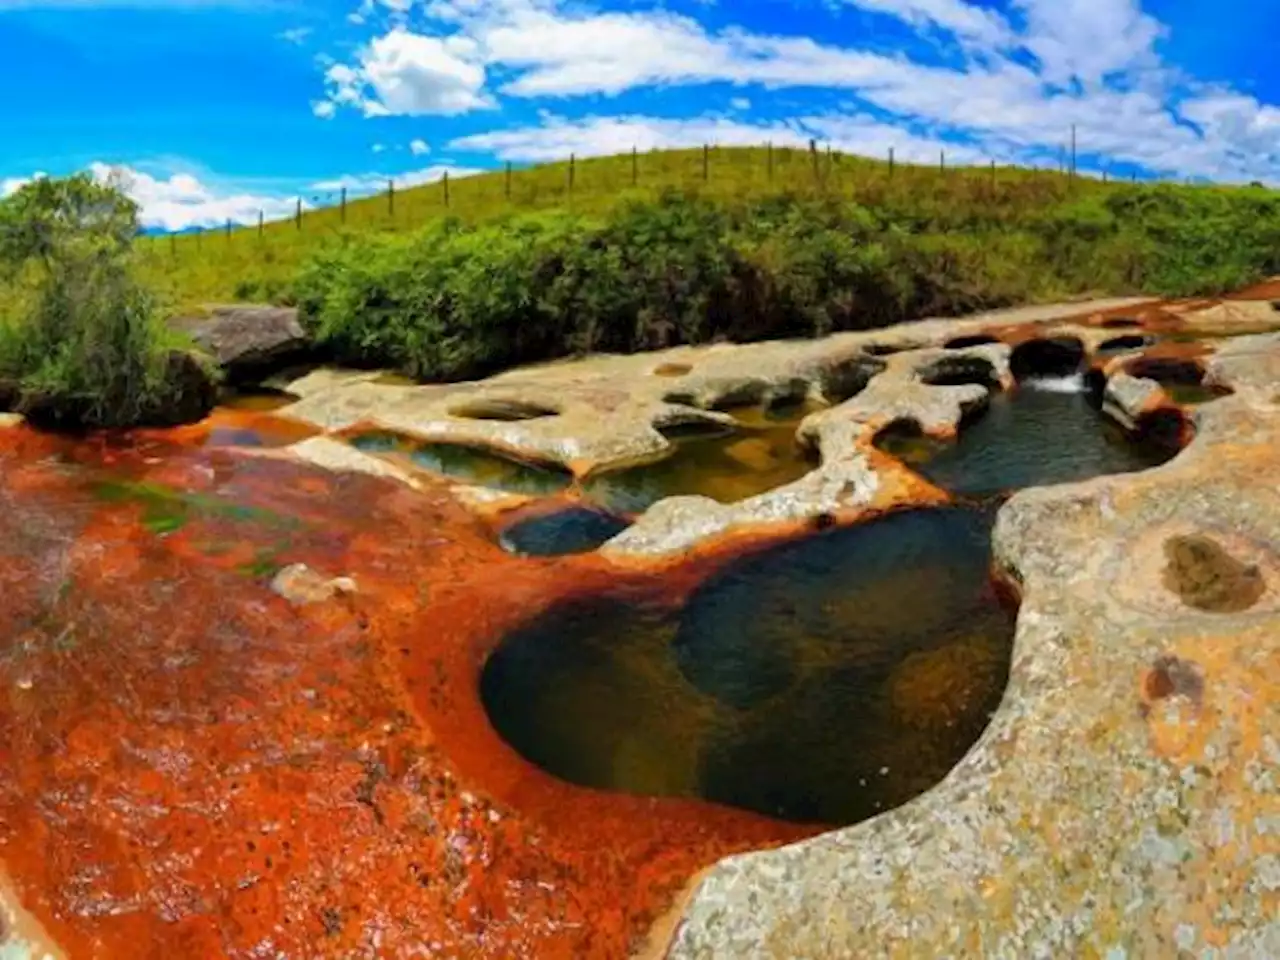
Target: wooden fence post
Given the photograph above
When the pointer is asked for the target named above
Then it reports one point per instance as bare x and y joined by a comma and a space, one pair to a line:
706, 162
446, 188
261, 223
572, 164
228, 229
942, 161
297, 215
635, 166
507, 185
391, 199
891, 163
344, 204
813, 155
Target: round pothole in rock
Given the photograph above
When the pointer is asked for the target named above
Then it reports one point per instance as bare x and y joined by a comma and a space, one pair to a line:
1051, 358
1182, 380
1044, 433
826, 680
572, 530
672, 369
501, 409
469, 464
889, 349
971, 340
1205, 576
727, 466
958, 371
1123, 344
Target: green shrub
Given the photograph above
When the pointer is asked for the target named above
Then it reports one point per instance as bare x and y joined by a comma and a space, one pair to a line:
456, 300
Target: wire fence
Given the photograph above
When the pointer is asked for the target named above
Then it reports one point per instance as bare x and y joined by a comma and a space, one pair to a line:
792, 168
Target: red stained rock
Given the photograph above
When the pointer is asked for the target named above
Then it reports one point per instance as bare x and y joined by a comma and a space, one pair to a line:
196, 765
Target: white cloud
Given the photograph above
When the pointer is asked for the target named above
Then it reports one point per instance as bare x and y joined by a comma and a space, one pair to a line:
419, 147
297, 35
966, 21
408, 73
182, 200
557, 137
1089, 39
1022, 81
12, 185
368, 183
740, 103
378, 147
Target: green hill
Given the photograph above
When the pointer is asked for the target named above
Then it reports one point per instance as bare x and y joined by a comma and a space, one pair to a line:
628, 252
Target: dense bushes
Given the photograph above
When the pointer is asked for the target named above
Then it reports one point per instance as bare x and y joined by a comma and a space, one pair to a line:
458, 301
82, 343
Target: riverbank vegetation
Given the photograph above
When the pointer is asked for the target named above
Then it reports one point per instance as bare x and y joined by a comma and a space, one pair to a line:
456, 299
622, 254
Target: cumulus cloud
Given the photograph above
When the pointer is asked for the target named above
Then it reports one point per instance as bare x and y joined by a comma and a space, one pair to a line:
181, 200
418, 147
409, 74
177, 202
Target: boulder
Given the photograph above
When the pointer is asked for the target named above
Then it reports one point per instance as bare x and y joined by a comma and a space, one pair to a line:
1128, 399
248, 342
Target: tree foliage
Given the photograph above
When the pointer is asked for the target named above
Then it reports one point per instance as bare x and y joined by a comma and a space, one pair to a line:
82, 345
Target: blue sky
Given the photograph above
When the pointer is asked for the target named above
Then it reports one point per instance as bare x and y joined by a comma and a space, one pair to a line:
218, 108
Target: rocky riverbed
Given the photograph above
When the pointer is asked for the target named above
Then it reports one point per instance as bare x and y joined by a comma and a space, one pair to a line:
240, 690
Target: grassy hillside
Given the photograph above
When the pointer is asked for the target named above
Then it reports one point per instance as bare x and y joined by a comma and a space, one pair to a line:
631, 252
211, 267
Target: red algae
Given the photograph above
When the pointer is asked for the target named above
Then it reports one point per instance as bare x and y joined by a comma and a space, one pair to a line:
195, 765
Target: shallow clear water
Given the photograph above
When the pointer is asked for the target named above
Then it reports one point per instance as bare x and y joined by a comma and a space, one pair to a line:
257, 399
474, 465
1044, 433
826, 679
761, 455
571, 530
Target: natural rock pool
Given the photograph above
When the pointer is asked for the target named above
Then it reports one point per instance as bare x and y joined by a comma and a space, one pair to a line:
760, 455
457, 724
1045, 432
822, 680
468, 464
573, 529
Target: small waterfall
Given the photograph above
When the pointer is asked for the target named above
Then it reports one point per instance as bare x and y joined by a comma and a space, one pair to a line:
1074, 383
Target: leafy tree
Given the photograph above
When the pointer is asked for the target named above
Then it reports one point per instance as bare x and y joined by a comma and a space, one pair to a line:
84, 346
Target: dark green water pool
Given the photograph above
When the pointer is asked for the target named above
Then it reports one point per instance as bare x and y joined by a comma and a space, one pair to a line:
826, 679
727, 466
575, 529
474, 465
1041, 434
